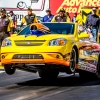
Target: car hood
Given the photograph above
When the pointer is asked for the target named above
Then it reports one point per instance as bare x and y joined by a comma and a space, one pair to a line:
43, 37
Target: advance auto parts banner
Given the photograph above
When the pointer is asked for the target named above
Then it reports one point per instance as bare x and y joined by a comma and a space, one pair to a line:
72, 6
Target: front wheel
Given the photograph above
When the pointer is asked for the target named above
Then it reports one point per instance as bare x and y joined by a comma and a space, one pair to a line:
9, 69
73, 61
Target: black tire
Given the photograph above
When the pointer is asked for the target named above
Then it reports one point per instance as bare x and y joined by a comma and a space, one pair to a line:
73, 61
98, 67
9, 69
48, 74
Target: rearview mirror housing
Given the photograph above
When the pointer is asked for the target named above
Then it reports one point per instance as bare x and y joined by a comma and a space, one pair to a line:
83, 35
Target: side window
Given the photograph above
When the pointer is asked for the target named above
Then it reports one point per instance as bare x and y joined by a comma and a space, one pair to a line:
25, 31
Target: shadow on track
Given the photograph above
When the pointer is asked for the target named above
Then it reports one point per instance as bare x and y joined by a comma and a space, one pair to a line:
61, 81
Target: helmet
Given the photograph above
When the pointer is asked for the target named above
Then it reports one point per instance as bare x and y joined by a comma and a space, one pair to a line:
36, 32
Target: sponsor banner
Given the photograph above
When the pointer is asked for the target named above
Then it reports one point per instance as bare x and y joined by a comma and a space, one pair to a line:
72, 6
36, 5
20, 7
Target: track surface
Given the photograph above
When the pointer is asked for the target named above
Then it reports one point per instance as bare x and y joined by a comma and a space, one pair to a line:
28, 86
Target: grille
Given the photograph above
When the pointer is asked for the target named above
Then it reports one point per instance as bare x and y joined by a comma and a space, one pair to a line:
29, 42
27, 56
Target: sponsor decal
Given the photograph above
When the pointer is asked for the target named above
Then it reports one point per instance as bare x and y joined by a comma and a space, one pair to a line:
87, 66
73, 6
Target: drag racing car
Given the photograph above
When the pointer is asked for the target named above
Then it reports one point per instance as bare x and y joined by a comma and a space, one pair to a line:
50, 48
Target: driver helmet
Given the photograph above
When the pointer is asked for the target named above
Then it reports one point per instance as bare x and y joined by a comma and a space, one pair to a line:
37, 32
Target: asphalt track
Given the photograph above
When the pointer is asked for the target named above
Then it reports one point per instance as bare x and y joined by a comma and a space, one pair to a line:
28, 86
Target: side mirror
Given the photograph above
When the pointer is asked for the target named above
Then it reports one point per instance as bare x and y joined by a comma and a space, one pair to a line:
14, 34
18, 29
83, 35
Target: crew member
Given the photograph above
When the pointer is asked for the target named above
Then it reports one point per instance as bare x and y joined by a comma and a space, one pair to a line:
67, 14
93, 22
6, 25
48, 17
79, 19
14, 18
74, 17
29, 18
61, 17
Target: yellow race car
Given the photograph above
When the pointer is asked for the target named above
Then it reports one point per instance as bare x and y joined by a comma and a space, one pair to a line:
46, 48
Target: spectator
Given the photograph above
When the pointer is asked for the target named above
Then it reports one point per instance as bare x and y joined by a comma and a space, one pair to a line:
74, 17
48, 17
93, 22
29, 18
14, 18
67, 13
61, 17
6, 25
79, 19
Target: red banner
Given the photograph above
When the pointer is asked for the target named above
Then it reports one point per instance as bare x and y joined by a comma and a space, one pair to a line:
72, 6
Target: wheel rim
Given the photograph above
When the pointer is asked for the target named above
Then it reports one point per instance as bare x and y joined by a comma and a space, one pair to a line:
73, 60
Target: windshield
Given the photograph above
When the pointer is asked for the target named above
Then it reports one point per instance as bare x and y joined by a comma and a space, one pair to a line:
25, 31
55, 28
60, 28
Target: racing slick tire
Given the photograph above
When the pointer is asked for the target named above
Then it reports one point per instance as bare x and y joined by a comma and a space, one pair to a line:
9, 69
73, 62
98, 67
48, 74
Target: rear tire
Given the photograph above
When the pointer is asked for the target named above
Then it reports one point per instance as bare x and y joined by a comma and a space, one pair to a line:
9, 69
73, 61
44, 74
98, 67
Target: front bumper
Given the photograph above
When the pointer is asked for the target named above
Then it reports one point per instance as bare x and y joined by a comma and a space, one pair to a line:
48, 57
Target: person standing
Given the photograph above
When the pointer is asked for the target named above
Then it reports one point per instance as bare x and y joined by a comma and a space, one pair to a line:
67, 14
79, 19
14, 18
6, 25
48, 17
93, 22
29, 18
61, 17
74, 17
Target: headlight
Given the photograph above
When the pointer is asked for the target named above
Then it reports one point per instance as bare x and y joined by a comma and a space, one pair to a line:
6, 42
57, 42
